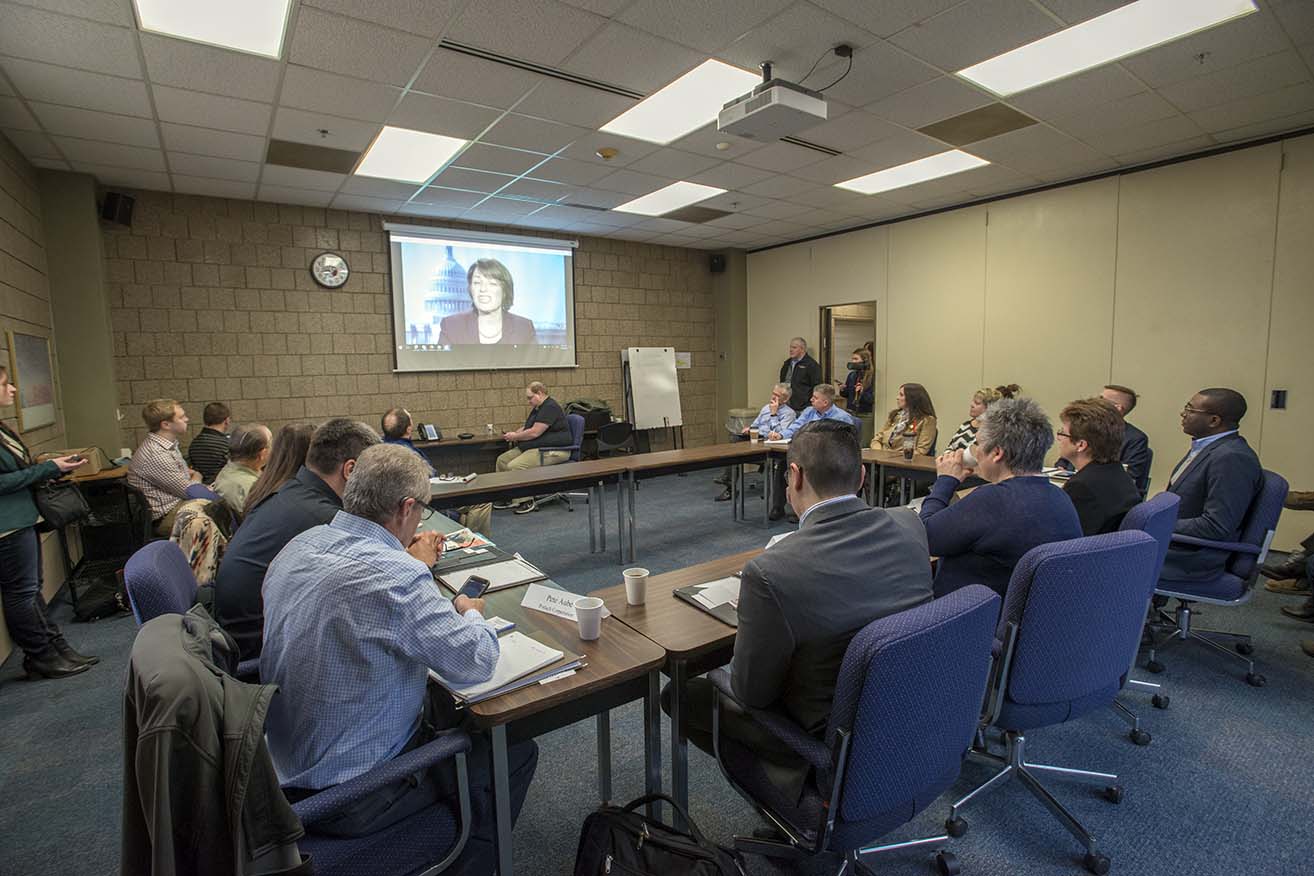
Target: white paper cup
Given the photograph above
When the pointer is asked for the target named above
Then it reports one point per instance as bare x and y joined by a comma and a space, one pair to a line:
969, 461
636, 586
588, 611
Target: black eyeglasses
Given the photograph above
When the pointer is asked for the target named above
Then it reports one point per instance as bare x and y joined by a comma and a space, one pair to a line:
1187, 409
426, 510
1062, 434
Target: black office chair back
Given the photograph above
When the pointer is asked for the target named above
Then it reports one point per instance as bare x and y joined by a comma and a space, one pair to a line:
614, 436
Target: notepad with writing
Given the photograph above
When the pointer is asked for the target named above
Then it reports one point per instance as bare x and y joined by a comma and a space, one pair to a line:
719, 598
522, 661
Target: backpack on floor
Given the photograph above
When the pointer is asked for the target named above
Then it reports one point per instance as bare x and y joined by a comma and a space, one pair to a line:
101, 597
620, 841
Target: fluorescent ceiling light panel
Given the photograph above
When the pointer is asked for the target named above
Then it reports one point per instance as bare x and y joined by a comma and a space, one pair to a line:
408, 156
685, 105
933, 167
673, 197
254, 26
1101, 40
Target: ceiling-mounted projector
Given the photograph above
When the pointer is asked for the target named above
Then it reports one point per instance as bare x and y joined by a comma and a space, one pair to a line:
772, 110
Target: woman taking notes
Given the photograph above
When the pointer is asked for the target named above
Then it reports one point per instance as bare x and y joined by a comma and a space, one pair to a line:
911, 423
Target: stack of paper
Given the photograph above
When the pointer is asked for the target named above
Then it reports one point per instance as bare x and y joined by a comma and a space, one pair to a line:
453, 479
719, 598
522, 661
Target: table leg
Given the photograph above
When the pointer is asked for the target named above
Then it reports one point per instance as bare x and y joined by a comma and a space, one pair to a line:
593, 527
679, 744
880, 485
652, 738
735, 472
634, 488
620, 516
601, 490
502, 800
604, 756
768, 488
903, 490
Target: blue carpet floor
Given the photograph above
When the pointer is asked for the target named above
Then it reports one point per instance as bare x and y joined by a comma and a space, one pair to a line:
1227, 785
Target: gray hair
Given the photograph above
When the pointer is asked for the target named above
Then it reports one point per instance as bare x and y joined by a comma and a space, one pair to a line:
825, 390
385, 476
783, 388
1019, 427
802, 341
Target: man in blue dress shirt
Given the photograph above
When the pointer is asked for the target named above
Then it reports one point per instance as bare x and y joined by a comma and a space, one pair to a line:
398, 428
821, 407
774, 416
353, 623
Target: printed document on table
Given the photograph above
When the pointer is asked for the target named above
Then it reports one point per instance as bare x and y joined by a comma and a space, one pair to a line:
507, 573
520, 655
718, 592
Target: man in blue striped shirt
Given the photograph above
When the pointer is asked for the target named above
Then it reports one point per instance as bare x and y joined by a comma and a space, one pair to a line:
353, 623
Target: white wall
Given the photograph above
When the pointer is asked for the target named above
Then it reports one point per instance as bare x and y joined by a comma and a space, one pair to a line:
1168, 280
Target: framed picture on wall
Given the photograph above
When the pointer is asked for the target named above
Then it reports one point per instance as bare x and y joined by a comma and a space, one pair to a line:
30, 369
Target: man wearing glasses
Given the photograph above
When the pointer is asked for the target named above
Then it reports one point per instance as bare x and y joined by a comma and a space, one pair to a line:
1217, 480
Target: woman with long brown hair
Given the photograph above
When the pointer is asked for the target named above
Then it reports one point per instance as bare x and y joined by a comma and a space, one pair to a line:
911, 422
285, 459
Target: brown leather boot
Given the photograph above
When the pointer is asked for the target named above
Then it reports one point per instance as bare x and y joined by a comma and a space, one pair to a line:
1299, 500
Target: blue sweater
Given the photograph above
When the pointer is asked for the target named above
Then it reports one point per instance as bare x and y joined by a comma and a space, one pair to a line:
980, 538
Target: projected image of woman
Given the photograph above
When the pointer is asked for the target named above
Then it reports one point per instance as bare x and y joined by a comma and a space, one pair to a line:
489, 320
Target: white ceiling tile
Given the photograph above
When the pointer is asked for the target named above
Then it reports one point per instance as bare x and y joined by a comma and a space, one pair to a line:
573, 104
14, 115
1253, 110
452, 74
794, 40
879, 70
730, 175
972, 32
1246, 79
497, 159
779, 186
1077, 11
544, 31
5, 90
823, 218
206, 68
210, 110
442, 115
1128, 112
213, 168
458, 200
900, 149
1079, 170
379, 188
33, 144
781, 157
289, 195
73, 42
206, 141
366, 204
832, 170
501, 209
126, 177
1140, 137
1080, 92
735, 201
425, 17
355, 48
705, 140
1218, 48
50, 163
597, 198
300, 178
633, 59
705, 26
566, 171
110, 154
215, 188
526, 132
631, 182
538, 190
628, 151
665, 226
849, 131
62, 85
888, 16
92, 125
307, 89
1033, 149
433, 211
930, 102
735, 221
108, 11
568, 215
472, 180
837, 200
1166, 150
1278, 125
1296, 18
673, 163
994, 179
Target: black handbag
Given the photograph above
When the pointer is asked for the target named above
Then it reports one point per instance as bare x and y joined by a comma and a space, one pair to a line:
619, 841
60, 503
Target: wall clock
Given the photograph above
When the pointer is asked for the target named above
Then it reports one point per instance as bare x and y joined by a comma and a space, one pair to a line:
330, 270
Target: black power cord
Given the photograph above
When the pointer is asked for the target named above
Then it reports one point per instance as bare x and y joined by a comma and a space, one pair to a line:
842, 51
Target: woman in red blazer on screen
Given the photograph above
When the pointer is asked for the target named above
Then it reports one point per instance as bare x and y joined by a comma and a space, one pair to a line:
492, 292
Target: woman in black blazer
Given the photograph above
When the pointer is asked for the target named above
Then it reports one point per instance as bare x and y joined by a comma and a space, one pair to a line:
1100, 490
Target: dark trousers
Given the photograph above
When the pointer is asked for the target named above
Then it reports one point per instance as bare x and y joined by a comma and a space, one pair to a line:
20, 590
398, 801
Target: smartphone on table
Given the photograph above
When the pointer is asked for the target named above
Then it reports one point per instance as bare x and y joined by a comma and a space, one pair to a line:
474, 587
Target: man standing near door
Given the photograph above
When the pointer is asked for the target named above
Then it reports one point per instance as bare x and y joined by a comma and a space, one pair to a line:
801, 372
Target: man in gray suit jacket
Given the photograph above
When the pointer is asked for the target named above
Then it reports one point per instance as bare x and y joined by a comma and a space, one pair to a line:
1217, 481
802, 600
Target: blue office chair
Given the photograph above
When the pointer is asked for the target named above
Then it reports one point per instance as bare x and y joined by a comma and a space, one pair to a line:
1072, 614
424, 843
159, 581
907, 701
1234, 585
201, 491
576, 423
1156, 518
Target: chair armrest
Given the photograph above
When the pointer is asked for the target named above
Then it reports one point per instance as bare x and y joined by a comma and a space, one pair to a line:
330, 801
804, 744
1236, 547
201, 491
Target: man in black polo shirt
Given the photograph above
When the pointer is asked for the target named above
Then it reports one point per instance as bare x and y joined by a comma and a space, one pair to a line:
208, 452
545, 427
311, 498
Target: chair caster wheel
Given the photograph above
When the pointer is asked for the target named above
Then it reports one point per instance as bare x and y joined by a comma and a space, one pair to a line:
1113, 793
956, 827
1140, 737
946, 864
1096, 863
1154, 666
1254, 679
1245, 649
1160, 701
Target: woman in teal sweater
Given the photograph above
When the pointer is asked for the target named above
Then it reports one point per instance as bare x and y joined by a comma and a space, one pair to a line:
46, 654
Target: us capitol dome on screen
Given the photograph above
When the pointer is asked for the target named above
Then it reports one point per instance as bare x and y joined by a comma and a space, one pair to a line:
448, 288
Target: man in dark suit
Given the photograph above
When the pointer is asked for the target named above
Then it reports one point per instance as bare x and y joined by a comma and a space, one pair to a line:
801, 372
1217, 481
803, 599
1135, 452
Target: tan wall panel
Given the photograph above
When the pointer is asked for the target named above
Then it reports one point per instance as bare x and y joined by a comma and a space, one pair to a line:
1049, 294
936, 310
1194, 275
781, 304
1286, 446
854, 269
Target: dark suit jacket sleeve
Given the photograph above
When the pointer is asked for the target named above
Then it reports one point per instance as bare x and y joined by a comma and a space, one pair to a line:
814, 374
1229, 482
1088, 507
764, 644
951, 531
1136, 456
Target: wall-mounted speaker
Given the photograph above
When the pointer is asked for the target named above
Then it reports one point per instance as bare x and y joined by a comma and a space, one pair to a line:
716, 264
117, 208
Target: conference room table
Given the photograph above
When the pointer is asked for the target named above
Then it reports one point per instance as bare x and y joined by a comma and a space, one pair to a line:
881, 463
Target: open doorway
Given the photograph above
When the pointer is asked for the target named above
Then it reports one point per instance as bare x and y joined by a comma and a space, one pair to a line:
844, 328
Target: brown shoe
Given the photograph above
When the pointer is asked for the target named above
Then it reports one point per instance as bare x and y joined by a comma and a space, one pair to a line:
1288, 587
1299, 500
1308, 647
1303, 612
